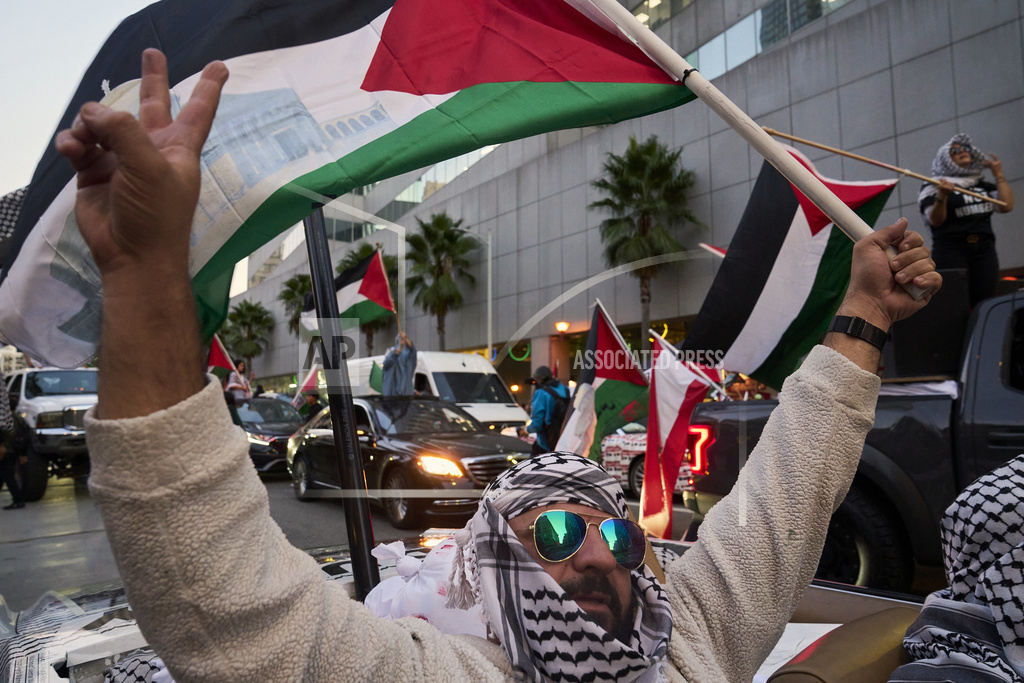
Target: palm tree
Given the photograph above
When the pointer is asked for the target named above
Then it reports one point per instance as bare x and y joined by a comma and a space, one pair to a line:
437, 255
350, 260
248, 330
647, 196
293, 296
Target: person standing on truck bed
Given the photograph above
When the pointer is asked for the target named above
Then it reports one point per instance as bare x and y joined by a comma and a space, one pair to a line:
221, 595
961, 225
547, 409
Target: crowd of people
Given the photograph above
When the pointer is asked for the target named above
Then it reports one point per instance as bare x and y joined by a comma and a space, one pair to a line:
556, 601
547, 597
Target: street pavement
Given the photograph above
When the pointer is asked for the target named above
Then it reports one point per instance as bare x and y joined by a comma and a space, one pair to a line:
59, 542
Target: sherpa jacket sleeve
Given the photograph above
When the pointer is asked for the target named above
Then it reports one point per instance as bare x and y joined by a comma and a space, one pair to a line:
217, 590
734, 590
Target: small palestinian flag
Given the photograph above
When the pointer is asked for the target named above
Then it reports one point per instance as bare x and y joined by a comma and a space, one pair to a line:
324, 96
377, 378
676, 387
219, 359
611, 390
311, 382
363, 292
783, 276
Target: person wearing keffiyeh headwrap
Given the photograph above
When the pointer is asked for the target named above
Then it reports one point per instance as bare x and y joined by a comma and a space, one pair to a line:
572, 620
974, 629
961, 225
221, 595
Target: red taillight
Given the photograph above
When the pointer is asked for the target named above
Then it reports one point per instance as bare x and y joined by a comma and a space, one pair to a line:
700, 437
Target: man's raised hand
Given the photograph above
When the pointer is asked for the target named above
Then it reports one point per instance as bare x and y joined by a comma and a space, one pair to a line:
876, 284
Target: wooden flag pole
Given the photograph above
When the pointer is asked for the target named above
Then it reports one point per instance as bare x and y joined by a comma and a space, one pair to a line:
875, 162
843, 216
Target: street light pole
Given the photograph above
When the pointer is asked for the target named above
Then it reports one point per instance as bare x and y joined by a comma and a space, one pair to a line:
490, 299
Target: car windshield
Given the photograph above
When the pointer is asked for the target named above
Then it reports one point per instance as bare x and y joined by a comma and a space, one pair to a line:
60, 383
423, 417
268, 410
471, 387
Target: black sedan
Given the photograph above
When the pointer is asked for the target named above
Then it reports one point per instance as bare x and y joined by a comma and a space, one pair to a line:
268, 423
419, 456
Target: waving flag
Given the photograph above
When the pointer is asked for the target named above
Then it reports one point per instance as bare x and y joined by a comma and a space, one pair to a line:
219, 356
783, 277
676, 388
324, 96
363, 292
610, 390
309, 383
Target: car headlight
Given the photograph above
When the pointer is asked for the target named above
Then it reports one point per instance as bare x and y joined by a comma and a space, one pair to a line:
444, 467
260, 439
49, 420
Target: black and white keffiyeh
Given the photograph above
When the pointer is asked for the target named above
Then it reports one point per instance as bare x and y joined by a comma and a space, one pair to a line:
974, 630
545, 633
944, 168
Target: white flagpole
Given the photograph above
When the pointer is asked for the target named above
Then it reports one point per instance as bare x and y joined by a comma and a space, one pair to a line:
667, 58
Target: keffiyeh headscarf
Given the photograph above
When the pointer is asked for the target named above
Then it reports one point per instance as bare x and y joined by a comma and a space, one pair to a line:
944, 168
544, 632
977, 623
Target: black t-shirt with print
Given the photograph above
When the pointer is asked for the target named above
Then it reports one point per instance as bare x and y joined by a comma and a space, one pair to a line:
965, 215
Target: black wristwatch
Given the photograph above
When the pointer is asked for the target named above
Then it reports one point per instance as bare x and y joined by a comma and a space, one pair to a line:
860, 328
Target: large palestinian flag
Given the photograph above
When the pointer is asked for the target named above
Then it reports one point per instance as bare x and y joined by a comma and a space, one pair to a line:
783, 277
324, 96
611, 390
363, 292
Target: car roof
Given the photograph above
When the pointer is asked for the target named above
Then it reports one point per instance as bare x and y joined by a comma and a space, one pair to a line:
49, 368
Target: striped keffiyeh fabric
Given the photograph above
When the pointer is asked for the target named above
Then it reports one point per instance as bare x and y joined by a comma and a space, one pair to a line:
544, 632
974, 630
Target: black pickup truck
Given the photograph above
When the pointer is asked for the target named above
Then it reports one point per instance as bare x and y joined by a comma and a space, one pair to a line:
922, 450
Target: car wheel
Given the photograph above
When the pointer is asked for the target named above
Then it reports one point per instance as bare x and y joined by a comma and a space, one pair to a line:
403, 512
636, 475
865, 546
35, 475
302, 483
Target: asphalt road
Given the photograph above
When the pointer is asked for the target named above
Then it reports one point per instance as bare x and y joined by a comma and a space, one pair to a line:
59, 542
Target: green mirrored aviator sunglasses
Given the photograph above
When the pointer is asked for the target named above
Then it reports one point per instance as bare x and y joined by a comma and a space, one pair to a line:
559, 534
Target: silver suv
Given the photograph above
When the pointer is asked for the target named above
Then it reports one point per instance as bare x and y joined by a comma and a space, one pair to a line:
53, 403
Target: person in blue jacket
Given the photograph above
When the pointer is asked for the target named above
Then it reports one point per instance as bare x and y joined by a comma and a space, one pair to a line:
547, 409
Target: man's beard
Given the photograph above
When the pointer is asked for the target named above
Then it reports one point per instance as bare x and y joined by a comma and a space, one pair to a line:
618, 624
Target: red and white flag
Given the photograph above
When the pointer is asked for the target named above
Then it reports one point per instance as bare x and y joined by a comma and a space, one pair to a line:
676, 387
310, 383
219, 356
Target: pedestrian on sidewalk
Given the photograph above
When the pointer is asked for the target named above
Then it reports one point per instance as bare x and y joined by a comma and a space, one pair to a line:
9, 458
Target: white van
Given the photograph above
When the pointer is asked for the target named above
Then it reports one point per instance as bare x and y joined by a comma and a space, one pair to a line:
465, 379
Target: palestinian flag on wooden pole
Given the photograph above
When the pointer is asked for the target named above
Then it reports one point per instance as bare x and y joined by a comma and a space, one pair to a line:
324, 96
363, 292
675, 389
610, 391
783, 277
219, 356
311, 382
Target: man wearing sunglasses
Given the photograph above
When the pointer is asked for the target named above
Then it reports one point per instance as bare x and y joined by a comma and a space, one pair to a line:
221, 595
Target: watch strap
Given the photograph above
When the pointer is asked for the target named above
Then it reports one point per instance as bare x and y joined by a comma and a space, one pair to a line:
860, 328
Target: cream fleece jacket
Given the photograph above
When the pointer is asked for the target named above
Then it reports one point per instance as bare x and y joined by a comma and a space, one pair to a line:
221, 595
